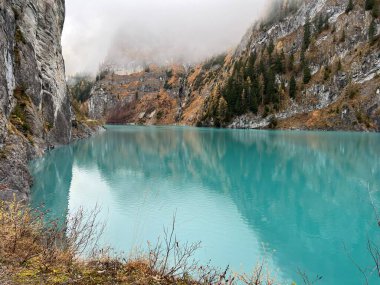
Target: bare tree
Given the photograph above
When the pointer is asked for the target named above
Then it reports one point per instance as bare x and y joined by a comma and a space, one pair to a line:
306, 280
169, 258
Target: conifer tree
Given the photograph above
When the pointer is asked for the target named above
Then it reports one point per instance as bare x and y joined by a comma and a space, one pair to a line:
244, 102
302, 57
326, 22
254, 106
343, 36
292, 87
326, 73
306, 73
349, 7
306, 34
369, 4
270, 86
255, 95
339, 65
375, 9
270, 47
320, 24
372, 31
279, 67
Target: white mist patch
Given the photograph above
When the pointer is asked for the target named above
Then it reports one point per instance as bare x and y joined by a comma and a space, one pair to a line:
147, 31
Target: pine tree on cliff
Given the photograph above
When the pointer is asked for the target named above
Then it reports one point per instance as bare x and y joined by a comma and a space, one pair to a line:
292, 87
306, 34
375, 9
369, 4
326, 22
270, 47
255, 95
306, 73
349, 7
320, 24
279, 63
372, 32
270, 87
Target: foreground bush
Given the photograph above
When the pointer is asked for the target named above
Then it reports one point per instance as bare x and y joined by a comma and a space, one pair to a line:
34, 251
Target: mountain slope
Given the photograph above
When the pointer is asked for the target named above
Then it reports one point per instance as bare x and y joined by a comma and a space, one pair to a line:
309, 65
323, 52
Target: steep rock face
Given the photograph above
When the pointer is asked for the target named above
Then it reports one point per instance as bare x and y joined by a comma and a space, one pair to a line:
35, 107
343, 64
145, 97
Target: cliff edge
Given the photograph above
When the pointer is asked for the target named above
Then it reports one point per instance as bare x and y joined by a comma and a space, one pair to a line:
35, 106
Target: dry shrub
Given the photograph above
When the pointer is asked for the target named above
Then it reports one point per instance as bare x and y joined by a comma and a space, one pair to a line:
26, 237
20, 233
42, 252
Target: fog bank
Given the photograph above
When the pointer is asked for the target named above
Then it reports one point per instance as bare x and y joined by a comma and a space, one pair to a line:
135, 32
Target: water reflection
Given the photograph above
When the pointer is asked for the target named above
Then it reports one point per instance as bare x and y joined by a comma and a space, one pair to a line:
300, 195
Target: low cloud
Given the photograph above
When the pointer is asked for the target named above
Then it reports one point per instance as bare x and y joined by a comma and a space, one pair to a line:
135, 32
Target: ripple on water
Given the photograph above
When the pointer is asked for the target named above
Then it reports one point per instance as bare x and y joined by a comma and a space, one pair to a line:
297, 199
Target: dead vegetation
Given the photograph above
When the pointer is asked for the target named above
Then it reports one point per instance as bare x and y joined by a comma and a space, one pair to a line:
36, 251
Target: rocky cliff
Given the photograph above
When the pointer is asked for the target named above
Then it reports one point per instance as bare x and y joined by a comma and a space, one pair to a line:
35, 108
312, 64
152, 96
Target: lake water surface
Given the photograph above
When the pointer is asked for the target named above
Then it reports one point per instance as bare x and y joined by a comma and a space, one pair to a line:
299, 200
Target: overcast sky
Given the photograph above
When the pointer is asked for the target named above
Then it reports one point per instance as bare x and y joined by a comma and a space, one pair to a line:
152, 31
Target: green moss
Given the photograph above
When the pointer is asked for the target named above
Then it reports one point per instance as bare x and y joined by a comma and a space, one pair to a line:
19, 37
18, 115
3, 154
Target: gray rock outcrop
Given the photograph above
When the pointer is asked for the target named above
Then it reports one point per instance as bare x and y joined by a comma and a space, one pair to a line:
35, 109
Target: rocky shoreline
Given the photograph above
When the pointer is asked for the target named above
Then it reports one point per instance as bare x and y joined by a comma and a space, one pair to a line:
36, 112
15, 178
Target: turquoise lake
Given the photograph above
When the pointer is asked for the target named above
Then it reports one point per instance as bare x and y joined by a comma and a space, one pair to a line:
299, 200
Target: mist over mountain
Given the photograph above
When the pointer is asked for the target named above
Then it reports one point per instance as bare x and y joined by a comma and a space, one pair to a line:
133, 33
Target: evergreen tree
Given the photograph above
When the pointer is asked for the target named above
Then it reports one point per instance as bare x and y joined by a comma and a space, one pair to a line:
339, 65
262, 69
270, 87
326, 22
375, 9
251, 65
255, 95
270, 47
306, 34
306, 73
369, 4
302, 57
349, 7
244, 102
320, 24
292, 87
343, 36
326, 73
252, 59
372, 31
279, 66
238, 109
255, 106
